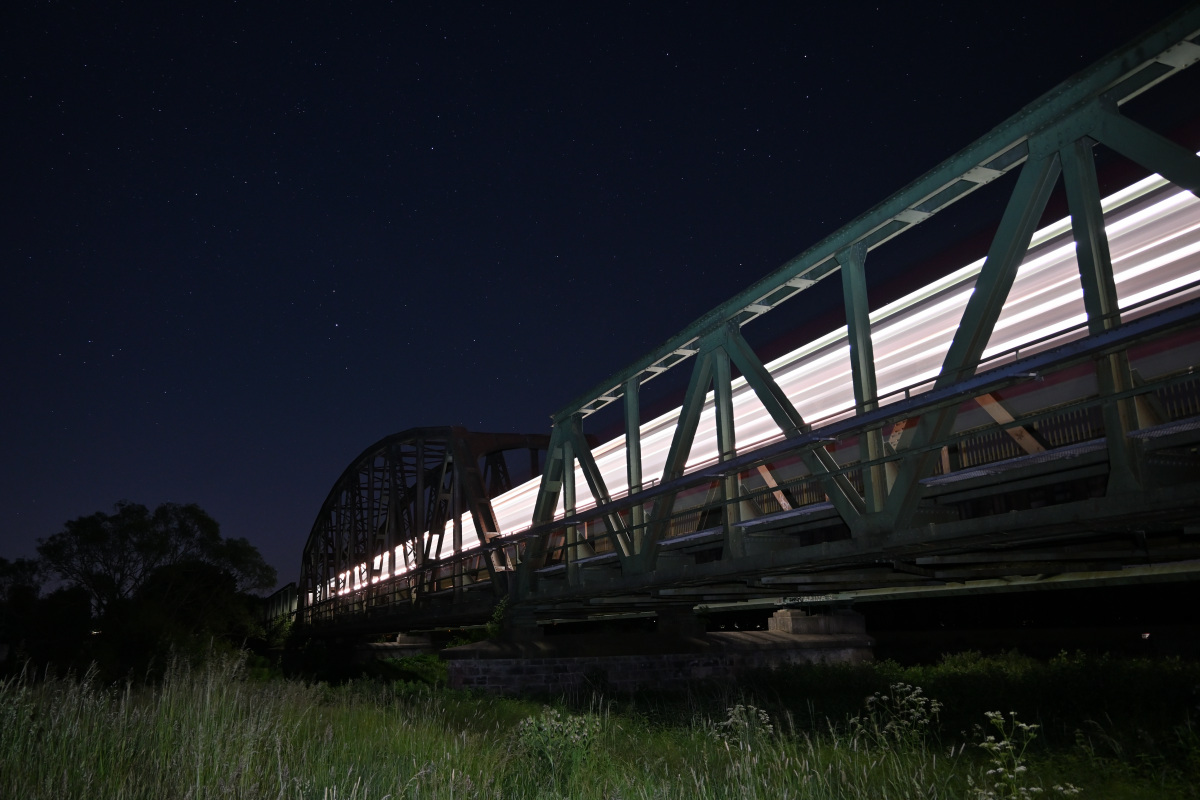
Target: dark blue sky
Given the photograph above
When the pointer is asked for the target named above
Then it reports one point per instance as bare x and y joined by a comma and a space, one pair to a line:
242, 242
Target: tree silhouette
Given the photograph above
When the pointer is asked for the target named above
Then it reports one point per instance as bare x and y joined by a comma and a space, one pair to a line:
37, 629
113, 555
160, 585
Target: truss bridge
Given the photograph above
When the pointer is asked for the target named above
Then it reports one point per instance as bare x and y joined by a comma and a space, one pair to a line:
1030, 419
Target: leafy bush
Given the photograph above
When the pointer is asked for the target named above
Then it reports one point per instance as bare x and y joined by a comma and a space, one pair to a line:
555, 743
425, 669
210, 731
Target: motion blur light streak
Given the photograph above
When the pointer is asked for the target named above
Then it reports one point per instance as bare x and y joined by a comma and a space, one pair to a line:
1154, 241
912, 334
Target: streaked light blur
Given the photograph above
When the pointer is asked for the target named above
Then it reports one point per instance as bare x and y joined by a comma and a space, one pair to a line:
1154, 239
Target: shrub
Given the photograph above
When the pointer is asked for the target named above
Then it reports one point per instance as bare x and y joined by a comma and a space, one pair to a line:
902, 718
1006, 776
743, 727
556, 743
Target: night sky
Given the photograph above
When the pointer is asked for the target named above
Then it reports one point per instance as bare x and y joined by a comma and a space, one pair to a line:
242, 242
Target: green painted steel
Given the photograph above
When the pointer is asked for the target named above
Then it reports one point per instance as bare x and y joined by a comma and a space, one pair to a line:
1074, 115
1127, 73
1058, 129
745, 527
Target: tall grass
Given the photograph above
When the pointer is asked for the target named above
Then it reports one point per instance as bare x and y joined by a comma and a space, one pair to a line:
211, 732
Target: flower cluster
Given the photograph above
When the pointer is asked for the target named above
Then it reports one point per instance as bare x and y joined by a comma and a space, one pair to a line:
742, 726
903, 717
556, 740
1006, 775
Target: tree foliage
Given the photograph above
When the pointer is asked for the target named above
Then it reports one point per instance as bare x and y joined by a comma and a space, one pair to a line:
112, 556
40, 629
20, 576
138, 590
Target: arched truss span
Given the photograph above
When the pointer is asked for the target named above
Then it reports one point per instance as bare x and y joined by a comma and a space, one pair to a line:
411, 520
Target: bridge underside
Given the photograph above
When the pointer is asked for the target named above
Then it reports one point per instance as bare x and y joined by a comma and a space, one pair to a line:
1055, 438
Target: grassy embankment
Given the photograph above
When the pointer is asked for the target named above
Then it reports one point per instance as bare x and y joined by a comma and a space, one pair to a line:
1114, 729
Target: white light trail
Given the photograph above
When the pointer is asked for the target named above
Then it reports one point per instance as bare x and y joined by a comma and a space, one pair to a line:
1154, 239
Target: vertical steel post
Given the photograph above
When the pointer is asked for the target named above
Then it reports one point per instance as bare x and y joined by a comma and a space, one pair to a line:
372, 531
339, 548
395, 476
727, 449
862, 370
1103, 310
591, 472
456, 511
568, 488
819, 461
420, 512
633, 459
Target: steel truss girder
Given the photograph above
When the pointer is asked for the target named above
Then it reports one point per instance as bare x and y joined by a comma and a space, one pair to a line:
402, 493
1186, 315
1062, 126
1053, 135
1008, 248
1144, 63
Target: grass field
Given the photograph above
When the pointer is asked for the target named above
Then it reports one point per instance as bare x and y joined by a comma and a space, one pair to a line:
1090, 726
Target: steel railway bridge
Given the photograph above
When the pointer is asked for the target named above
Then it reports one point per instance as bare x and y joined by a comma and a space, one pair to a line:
1029, 419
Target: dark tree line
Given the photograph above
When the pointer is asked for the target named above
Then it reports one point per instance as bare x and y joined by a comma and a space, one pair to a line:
130, 590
